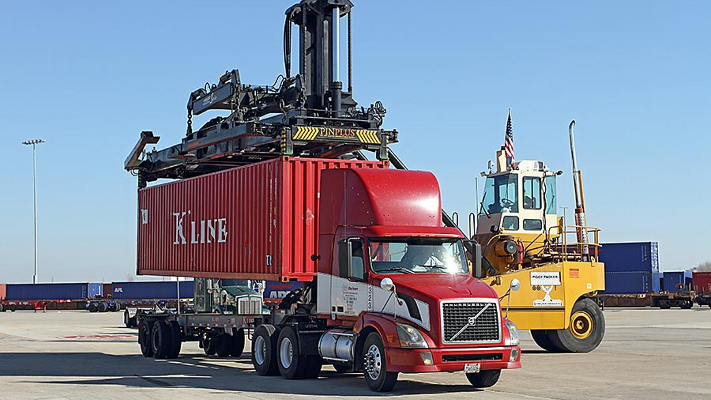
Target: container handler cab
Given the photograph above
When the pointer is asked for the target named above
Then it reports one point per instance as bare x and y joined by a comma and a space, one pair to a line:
280, 190
523, 238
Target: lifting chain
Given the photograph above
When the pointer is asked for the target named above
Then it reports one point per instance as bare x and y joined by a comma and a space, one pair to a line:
190, 122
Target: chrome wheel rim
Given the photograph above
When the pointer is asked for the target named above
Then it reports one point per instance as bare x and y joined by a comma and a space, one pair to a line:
260, 350
286, 352
373, 362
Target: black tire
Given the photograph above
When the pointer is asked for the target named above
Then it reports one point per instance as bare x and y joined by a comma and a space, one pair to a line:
93, 307
264, 350
586, 317
144, 339
314, 364
375, 365
687, 305
176, 339
161, 342
542, 338
103, 306
127, 320
664, 304
223, 345
341, 368
237, 342
134, 322
484, 379
292, 365
208, 345
2, 308
115, 307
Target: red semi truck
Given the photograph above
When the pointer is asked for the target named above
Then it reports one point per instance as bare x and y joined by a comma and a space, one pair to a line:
387, 288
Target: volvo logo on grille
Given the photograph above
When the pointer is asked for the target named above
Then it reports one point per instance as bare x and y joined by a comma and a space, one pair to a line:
471, 321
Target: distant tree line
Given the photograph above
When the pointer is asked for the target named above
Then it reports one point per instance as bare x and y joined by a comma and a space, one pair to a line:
704, 266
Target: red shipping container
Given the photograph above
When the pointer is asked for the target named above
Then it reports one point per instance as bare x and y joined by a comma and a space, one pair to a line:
2, 291
258, 221
702, 282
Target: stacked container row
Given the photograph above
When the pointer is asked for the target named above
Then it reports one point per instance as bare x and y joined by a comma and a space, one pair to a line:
702, 281
631, 268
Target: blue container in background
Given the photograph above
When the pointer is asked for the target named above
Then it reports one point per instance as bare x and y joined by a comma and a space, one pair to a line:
673, 281
630, 282
277, 290
49, 291
95, 289
630, 257
152, 290
656, 282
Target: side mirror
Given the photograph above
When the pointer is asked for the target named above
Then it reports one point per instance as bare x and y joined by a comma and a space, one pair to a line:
515, 284
387, 285
477, 259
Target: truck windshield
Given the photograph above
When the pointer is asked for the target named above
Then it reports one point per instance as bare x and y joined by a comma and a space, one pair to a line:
418, 255
500, 195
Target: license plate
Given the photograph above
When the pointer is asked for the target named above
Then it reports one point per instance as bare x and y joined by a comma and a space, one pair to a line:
473, 368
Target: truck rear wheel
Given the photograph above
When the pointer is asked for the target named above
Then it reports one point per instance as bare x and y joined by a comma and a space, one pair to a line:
237, 342
542, 339
176, 341
484, 379
264, 350
587, 328
144, 339
292, 365
161, 342
375, 365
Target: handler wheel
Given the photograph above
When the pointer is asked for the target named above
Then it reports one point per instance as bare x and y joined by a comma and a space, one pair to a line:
144, 339
237, 342
264, 350
542, 338
587, 328
375, 365
161, 342
484, 379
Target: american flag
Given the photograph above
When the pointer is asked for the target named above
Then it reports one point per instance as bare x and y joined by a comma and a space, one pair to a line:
508, 143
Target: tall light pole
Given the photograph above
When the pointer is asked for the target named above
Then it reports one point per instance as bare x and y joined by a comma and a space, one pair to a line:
33, 143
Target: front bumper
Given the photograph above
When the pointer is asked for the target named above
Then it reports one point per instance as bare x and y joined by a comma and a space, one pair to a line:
452, 359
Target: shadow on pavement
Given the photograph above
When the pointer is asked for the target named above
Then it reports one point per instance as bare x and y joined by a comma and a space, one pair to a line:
193, 371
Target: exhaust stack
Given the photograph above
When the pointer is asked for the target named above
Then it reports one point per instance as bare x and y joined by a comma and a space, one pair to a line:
580, 221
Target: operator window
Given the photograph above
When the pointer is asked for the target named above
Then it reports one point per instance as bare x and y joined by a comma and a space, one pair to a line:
510, 223
549, 185
531, 193
532, 224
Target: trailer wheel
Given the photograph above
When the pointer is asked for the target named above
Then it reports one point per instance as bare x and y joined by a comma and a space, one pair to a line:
664, 304
208, 345
160, 339
2, 308
223, 345
484, 379
144, 339
587, 328
103, 306
93, 307
542, 339
237, 342
375, 365
176, 339
686, 305
264, 350
115, 306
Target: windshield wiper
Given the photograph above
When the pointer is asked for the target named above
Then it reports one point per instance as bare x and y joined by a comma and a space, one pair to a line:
401, 269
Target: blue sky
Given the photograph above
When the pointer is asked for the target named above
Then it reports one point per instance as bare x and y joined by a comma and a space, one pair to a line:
88, 76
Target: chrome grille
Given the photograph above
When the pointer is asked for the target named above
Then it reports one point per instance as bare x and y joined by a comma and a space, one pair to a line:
460, 326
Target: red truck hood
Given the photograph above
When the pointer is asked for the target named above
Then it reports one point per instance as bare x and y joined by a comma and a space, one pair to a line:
438, 287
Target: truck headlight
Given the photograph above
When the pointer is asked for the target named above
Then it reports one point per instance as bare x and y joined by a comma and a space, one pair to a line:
513, 334
410, 337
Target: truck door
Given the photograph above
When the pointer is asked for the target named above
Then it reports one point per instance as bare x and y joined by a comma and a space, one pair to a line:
349, 291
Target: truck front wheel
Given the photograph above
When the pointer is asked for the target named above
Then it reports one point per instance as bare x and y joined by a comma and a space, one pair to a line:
375, 365
484, 379
587, 328
264, 350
